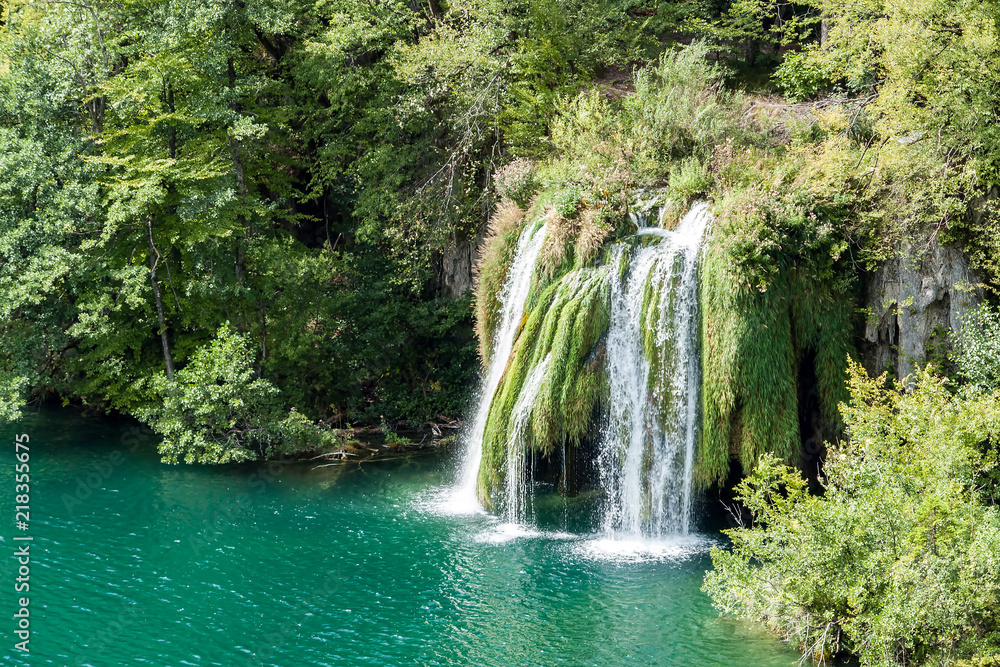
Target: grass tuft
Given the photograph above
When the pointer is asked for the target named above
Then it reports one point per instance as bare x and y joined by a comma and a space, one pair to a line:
567, 322
491, 272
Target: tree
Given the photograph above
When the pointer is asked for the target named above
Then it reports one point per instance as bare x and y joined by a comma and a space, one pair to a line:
898, 561
176, 165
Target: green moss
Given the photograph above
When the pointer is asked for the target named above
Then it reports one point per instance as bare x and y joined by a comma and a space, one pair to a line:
567, 321
754, 337
749, 400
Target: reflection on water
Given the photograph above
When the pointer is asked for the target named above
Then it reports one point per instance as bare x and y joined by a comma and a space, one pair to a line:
149, 564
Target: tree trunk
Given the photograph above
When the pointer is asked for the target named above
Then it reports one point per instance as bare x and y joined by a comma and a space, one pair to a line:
154, 261
263, 338
236, 152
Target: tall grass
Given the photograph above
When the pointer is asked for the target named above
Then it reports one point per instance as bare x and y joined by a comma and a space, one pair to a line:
491, 272
774, 293
566, 322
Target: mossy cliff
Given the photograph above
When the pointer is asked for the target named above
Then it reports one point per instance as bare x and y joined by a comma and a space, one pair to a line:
563, 331
807, 209
755, 340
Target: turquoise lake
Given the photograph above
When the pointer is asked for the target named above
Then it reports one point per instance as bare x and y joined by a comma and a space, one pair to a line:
134, 562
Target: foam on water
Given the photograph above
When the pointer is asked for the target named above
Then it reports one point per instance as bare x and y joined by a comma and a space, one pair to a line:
506, 532
639, 550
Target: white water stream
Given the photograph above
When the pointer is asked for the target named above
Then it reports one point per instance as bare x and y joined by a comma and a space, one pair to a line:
519, 481
647, 450
464, 499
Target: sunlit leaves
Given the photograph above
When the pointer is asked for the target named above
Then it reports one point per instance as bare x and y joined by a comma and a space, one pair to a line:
897, 561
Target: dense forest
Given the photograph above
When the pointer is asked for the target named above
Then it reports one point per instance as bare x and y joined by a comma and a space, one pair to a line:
253, 224
309, 175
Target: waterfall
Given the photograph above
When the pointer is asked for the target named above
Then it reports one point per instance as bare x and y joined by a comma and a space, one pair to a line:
647, 447
518, 485
512, 300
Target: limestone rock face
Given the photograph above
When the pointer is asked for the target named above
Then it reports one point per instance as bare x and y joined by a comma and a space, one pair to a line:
456, 266
912, 299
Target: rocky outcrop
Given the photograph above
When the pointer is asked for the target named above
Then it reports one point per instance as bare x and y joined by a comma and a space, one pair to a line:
913, 301
456, 266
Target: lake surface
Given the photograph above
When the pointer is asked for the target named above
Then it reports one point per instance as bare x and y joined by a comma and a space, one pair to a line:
139, 563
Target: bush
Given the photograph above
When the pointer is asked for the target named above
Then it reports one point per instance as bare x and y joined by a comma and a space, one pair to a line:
567, 201
978, 348
516, 182
677, 110
899, 561
216, 410
802, 75
689, 179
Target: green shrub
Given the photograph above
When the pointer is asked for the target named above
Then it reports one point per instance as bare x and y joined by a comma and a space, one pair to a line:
392, 438
978, 348
801, 75
678, 110
899, 561
567, 201
217, 411
689, 179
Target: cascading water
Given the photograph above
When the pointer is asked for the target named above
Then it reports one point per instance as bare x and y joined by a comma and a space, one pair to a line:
648, 360
518, 484
512, 300
647, 449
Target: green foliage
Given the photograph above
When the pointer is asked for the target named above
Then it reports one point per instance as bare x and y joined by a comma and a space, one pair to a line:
899, 561
980, 661
978, 349
385, 351
216, 411
748, 373
688, 180
926, 65
604, 148
774, 288
468, 84
516, 182
567, 201
562, 331
173, 165
801, 76
761, 24
678, 111
392, 438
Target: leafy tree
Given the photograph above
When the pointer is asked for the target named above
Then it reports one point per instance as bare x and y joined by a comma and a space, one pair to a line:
978, 349
898, 561
167, 172
926, 65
